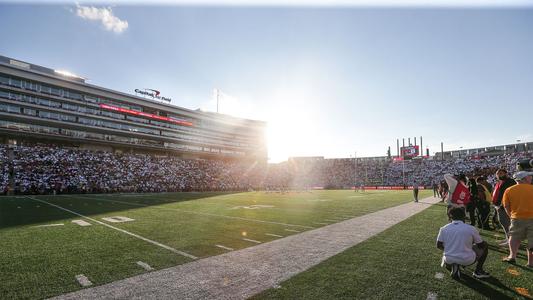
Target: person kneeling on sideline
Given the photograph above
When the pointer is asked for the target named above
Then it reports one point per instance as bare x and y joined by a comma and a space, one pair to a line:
462, 245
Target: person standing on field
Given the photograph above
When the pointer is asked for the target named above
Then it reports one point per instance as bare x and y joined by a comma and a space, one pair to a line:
415, 191
504, 182
518, 203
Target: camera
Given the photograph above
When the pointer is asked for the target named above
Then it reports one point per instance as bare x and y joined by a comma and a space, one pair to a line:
525, 165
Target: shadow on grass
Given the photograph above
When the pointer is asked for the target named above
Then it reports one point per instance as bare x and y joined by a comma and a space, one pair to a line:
490, 287
26, 210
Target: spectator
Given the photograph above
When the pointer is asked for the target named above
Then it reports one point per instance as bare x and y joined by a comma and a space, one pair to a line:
518, 203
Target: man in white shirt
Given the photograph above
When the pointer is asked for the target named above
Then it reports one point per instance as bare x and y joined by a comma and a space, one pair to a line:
462, 245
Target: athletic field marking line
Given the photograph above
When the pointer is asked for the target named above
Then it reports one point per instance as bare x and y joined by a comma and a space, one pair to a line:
439, 275
253, 241
50, 225
330, 220
292, 230
320, 223
117, 219
145, 266
81, 223
274, 235
199, 213
83, 280
121, 230
431, 296
224, 247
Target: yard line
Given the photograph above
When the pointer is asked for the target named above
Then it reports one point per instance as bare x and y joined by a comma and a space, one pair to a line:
224, 247
199, 213
275, 235
253, 241
292, 230
83, 280
330, 220
121, 230
145, 266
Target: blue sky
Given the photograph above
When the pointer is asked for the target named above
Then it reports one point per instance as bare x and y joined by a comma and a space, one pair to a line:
329, 80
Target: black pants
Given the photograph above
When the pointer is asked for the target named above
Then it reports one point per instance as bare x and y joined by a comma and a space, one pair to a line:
471, 210
483, 208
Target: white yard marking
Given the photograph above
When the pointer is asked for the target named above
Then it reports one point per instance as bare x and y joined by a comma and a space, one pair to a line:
81, 223
121, 230
50, 225
292, 230
275, 235
439, 275
83, 280
350, 217
118, 219
330, 220
224, 247
320, 223
18, 206
431, 296
145, 266
253, 241
201, 213
253, 206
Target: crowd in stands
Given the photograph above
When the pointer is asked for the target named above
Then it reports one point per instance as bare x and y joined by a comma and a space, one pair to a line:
45, 169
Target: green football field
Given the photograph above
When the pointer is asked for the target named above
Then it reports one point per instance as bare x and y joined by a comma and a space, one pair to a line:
43, 250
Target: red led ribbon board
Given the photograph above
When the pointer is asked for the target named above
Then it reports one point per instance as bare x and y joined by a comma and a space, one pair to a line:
143, 114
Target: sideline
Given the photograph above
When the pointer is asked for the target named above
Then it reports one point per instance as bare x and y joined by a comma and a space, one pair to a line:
243, 273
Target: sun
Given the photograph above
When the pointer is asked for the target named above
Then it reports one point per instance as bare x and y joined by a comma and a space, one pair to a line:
289, 133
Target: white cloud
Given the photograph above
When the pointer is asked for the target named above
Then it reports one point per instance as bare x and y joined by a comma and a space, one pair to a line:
104, 15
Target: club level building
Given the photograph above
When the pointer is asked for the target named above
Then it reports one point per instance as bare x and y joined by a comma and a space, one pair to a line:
38, 104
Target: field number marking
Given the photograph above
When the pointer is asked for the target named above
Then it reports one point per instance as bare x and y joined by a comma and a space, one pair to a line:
117, 219
275, 235
253, 241
83, 280
121, 230
145, 266
224, 247
201, 213
81, 223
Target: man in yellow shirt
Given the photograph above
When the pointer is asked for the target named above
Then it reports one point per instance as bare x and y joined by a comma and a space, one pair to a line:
518, 203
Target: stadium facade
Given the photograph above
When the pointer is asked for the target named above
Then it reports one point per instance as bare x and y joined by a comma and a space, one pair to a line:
39, 104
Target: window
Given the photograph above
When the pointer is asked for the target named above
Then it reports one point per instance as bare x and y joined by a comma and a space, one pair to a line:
49, 115
15, 82
73, 95
4, 80
68, 118
30, 112
91, 99
56, 92
46, 89
69, 106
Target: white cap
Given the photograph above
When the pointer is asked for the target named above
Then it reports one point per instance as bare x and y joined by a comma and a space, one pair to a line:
521, 175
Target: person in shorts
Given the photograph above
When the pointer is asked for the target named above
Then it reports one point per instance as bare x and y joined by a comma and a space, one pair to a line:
518, 203
462, 245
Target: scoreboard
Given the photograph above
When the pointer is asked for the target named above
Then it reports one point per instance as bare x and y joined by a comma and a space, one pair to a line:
409, 152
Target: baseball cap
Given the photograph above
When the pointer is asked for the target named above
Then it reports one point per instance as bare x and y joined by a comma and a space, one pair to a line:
521, 175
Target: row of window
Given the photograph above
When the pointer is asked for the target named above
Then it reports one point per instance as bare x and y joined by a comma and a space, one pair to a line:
108, 137
89, 110
107, 124
59, 92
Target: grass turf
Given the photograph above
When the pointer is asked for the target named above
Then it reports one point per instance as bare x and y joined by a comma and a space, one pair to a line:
402, 262
38, 262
